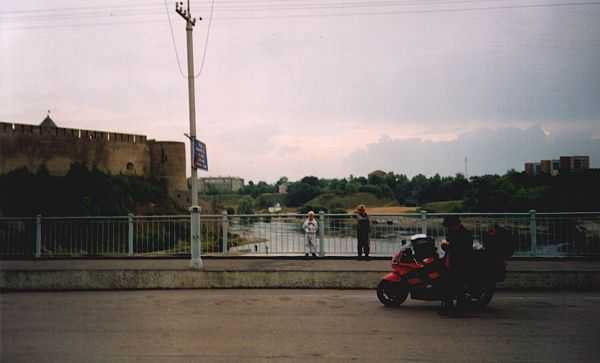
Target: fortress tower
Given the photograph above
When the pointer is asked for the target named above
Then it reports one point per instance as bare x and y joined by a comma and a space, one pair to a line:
167, 163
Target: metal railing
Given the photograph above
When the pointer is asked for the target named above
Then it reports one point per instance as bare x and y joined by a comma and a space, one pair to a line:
535, 234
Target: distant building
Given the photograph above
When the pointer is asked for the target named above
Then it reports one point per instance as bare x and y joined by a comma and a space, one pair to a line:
533, 168
282, 188
275, 209
549, 167
546, 166
554, 167
574, 163
529, 168
221, 184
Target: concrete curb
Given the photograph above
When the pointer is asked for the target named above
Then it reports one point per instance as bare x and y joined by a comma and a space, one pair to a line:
190, 279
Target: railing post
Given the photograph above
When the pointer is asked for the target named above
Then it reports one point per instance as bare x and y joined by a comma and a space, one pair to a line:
533, 232
130, 234
225, 239
322, 233
38, 235
196, 262
424, 222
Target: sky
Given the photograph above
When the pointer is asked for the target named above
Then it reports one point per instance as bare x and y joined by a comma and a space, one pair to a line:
327, 88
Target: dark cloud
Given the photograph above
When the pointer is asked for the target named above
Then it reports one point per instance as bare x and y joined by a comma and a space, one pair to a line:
488, 151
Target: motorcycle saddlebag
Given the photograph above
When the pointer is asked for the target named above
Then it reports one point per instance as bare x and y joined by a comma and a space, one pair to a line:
500, 242
488, 267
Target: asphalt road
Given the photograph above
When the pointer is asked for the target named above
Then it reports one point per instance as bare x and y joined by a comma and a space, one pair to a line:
291, 326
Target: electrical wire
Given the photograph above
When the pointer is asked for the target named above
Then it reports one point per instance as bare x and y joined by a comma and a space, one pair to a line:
207, 37
292, 5
173, 40
210, 19
416, 11
246, 6
313, 12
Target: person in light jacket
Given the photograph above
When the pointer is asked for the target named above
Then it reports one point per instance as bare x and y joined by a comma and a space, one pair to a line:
362, 232
310, 227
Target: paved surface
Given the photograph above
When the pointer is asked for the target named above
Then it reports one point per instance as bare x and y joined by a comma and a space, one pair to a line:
292, 326
252, 264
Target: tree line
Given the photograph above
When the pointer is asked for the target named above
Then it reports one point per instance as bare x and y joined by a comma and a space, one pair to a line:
81, 192
512, 192
91, 192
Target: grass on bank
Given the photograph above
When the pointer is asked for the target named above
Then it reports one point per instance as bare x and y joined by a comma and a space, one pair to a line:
449, 206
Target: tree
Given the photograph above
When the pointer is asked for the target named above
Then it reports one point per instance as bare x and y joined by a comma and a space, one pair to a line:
246, 205
282, 180
81, 192
300, 193
376, 177
212, 190
310, 180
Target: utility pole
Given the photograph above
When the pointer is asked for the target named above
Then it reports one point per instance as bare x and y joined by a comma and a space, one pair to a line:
196, 261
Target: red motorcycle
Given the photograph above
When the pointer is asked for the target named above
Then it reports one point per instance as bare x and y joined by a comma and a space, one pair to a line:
418, 270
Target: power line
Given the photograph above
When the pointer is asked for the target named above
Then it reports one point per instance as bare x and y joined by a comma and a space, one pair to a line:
210, 19
229, 3
173, 41
205, 40
250, 6
84, 25
318, 14
416, 11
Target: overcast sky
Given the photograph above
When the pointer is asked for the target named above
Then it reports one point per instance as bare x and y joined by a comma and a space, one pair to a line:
326, 88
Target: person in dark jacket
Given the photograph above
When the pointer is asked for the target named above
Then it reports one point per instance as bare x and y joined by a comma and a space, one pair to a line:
362, 232
459, 247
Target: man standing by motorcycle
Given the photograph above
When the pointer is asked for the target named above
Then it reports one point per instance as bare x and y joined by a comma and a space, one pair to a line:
459, 249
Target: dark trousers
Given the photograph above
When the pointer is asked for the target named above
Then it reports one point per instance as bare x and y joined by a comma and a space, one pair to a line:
363, 248
454, 289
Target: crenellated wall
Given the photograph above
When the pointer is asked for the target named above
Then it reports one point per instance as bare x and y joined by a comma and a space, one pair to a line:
13, 129
55, 147
32, 146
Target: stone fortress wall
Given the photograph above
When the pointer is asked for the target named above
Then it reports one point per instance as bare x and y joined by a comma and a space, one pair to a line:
32, 146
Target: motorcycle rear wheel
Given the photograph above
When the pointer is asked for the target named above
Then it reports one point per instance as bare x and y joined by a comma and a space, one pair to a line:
392, 294
481, 298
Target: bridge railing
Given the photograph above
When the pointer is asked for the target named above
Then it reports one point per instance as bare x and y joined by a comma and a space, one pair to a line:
535, 234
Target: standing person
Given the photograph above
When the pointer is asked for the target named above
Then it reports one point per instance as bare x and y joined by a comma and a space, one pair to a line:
362, 232
310, 227
459, 247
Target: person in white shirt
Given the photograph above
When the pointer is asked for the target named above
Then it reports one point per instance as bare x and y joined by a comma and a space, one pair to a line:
310, 227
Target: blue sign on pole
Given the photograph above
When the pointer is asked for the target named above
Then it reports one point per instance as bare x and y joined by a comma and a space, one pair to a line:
199, 157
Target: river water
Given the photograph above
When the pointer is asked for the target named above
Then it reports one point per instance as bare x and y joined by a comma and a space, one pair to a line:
285, 238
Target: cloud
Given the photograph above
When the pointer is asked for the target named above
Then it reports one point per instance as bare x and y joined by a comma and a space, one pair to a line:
313, 95
487, 150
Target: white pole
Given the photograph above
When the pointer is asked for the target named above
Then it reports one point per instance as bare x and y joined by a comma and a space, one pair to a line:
192, 102
196, 261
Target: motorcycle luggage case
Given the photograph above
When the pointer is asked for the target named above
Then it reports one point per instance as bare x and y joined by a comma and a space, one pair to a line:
424, 247
487, 266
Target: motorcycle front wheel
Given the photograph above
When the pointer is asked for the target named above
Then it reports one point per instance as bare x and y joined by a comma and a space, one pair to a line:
392, 293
